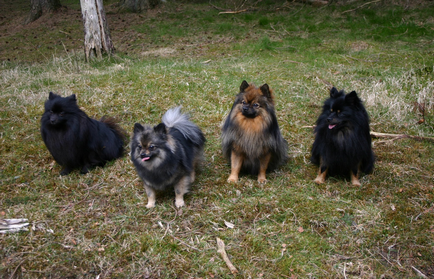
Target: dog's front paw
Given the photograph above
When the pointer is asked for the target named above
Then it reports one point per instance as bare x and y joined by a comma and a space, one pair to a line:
65, 171
356, 182
233, 179
84, 170
151, 204
179, 203
319, 180
262, 180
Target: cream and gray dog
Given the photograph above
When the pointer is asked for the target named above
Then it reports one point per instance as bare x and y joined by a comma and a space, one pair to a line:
167, 154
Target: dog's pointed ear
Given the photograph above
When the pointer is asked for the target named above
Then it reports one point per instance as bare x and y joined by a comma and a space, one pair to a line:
265, 89
334, 92
73, 98
138, 128
352, 99
51, 96
160, 128
243, 86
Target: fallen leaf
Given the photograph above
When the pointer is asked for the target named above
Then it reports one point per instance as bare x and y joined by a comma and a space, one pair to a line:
300, 229
229, 224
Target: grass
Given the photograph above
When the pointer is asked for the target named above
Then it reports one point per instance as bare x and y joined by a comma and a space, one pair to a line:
96, 225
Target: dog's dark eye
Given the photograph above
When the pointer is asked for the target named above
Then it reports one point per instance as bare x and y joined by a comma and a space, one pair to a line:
139, 146
151, 147
243, 102
256, 105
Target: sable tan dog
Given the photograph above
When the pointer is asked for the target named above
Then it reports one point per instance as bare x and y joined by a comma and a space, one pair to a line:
251, 139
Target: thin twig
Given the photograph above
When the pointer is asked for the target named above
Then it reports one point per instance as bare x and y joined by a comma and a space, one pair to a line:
291, 61
347, 11
419, 272
15, 270
217, 8
69, 34
184, 243
222, 251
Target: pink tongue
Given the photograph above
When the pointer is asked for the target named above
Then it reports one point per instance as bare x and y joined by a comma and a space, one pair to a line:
332, 126
146, 159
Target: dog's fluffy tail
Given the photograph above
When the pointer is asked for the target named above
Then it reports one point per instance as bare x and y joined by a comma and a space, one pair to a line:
114, 126
173, 118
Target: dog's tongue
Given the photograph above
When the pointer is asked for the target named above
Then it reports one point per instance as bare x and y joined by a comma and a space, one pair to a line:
146, 159
332, 126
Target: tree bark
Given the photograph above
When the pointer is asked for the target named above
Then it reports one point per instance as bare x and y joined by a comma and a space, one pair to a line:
41, 6
96, 32
138, 6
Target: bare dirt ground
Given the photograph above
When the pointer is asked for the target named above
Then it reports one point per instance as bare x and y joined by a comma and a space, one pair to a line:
61, 31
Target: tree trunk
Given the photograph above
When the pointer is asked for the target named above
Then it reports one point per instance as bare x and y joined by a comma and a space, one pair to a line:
96, 32
41, 6
137, 6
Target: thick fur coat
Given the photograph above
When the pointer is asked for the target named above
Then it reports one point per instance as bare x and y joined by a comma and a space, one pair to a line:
251, 138
76, 140
166, 155
342, 143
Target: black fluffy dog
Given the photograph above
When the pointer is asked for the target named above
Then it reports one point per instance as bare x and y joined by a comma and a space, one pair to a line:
342, 138
74, 139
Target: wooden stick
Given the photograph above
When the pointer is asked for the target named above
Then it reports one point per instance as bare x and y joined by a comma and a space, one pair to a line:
399, 136
390, 136
13, 225
233, 12
222, 251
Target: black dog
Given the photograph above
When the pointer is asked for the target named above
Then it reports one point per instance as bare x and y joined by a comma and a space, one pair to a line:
74, 139
342, 138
